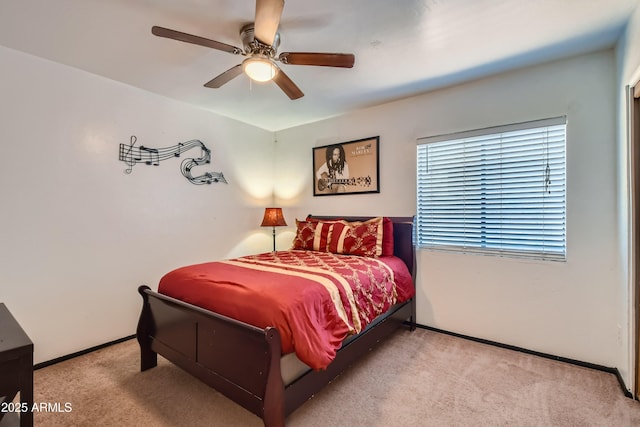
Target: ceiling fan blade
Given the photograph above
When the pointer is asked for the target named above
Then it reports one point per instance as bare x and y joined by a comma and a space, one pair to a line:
268, 13
225, 77
189, 38
287, 85
344, 60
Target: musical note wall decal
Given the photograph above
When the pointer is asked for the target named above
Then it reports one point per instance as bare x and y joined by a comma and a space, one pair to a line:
132, 155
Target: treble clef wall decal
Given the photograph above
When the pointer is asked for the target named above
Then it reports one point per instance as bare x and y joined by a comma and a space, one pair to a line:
132, 155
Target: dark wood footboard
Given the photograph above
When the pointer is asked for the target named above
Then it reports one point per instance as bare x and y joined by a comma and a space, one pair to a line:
242, 361
239, 360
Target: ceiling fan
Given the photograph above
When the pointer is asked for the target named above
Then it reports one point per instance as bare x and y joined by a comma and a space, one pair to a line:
260, 40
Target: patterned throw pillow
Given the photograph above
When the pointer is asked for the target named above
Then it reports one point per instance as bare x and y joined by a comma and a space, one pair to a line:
357, 238
312, 235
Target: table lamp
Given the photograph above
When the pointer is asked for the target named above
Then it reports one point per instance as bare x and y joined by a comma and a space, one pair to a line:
273, 218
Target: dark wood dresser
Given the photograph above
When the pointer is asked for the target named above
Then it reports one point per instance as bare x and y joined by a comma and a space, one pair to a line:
16, 371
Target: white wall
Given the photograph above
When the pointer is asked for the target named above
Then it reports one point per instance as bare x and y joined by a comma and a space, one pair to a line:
78, 234
570, 309
628, 51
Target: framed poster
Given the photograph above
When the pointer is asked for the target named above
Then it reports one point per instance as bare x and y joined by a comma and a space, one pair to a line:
347, 167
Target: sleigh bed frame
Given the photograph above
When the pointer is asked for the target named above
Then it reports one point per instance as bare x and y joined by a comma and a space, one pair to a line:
242, 361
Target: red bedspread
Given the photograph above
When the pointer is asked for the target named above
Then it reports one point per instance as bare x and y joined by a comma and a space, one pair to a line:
314, 299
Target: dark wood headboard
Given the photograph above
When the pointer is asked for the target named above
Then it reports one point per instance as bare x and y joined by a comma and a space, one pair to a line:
403, 246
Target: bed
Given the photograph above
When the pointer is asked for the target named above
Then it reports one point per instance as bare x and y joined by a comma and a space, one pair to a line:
247, 363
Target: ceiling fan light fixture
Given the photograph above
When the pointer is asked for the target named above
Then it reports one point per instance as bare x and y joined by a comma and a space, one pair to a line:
259, 69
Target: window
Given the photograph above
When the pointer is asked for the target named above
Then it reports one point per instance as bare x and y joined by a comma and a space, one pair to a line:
494, 191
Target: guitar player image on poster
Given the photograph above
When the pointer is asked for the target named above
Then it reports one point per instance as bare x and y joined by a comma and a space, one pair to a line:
346, 168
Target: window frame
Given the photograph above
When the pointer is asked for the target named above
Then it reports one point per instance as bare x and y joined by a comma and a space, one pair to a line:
552, 247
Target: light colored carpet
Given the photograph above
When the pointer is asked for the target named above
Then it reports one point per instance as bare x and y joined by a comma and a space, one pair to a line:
420, 378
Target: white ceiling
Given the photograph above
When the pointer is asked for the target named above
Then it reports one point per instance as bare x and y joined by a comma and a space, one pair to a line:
402, 47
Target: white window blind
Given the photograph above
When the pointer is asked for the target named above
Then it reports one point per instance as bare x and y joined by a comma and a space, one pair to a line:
499, 190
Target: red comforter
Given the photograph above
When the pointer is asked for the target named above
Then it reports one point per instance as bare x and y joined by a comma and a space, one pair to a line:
314, 299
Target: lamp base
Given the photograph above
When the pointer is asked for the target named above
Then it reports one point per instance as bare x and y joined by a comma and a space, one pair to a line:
274, 239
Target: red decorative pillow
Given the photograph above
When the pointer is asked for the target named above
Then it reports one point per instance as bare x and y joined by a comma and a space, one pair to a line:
357, 238
387, 237
312, 235
304, 235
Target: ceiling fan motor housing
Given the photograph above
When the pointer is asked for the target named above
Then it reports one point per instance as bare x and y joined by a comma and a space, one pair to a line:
253, 46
